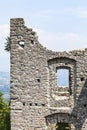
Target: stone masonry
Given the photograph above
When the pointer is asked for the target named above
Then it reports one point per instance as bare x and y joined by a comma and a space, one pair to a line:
37, 102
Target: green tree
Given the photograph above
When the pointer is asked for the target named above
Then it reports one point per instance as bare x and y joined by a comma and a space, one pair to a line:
62, 126
4, 114
8, 44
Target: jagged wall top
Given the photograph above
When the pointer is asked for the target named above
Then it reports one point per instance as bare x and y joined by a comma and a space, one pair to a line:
19, 22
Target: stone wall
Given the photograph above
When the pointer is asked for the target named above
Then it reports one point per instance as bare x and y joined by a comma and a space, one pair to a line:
37, 102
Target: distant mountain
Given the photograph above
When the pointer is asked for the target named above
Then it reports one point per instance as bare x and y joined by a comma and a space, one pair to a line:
5, 84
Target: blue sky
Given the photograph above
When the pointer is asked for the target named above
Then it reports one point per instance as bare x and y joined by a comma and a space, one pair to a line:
60, 24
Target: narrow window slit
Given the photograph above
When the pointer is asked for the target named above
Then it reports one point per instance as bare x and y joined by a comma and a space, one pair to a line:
23, 103
85, 105
32, 42
30, 104
43, 105
82, 79
38, 80
36, 104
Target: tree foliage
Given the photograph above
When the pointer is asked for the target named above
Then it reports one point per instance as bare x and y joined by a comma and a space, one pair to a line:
62, 126
8, 44
4, 114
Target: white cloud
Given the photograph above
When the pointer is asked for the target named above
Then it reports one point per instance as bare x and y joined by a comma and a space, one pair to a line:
78, 12
62, 41
82, 13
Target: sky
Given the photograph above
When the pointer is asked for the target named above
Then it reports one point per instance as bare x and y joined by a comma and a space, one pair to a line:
61, 25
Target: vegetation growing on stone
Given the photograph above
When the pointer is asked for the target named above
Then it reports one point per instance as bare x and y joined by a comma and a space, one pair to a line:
7, 44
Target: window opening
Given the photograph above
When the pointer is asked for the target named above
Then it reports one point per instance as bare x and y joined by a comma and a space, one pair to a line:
43, 105
82, 79
23, 103
30, 104
35, 104
21, 43
85, 105
38, 80
63, 77
32, 42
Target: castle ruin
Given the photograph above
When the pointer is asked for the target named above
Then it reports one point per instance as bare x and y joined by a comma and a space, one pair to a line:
37, 101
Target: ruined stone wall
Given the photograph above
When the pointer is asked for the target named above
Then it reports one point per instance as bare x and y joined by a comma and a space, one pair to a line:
37, 102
